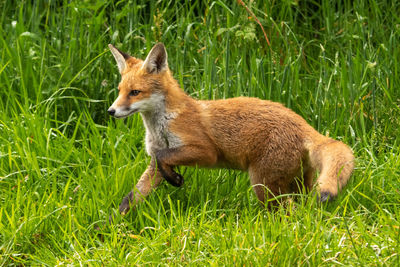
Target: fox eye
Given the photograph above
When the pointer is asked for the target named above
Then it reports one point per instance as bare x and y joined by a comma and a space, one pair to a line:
134, 93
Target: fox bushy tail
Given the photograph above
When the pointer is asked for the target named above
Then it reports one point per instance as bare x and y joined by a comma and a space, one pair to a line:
335, 162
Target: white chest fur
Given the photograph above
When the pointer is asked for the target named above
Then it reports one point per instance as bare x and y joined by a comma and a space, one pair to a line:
158, 135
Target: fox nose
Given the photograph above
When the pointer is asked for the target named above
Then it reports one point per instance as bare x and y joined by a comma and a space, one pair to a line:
111, 111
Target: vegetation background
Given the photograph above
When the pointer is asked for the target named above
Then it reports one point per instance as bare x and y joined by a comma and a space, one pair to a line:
65, 164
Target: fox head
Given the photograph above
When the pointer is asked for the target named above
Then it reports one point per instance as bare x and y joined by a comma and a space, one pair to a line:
141, 88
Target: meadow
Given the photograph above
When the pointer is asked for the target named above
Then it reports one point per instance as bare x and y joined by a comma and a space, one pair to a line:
65, 165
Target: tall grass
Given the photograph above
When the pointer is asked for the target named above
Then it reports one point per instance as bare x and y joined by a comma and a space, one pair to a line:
65, 165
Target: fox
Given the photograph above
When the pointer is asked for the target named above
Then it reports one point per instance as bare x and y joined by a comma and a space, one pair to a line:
276, 146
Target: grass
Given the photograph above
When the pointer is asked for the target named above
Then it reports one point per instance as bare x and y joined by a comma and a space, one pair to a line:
65, 165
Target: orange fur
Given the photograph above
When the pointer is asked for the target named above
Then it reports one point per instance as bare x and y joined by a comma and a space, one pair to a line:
270, 141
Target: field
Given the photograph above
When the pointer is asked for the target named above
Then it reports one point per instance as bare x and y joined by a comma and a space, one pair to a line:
65, 165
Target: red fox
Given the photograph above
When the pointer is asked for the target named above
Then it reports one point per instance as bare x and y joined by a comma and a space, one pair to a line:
270, 141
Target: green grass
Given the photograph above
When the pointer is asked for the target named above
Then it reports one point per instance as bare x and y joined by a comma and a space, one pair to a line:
65, 164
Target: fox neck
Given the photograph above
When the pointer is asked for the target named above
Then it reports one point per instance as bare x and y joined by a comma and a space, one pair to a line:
175, 97
153, 119
156, 122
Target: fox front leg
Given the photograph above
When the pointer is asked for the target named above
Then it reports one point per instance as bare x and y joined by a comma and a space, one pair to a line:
187, 155
167, 171
149, 180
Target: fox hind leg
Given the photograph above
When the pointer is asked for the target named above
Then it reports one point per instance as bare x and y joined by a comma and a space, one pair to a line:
267, 186
309, 178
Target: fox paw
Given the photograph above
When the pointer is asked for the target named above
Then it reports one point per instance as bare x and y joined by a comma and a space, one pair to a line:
325, 196
175, 179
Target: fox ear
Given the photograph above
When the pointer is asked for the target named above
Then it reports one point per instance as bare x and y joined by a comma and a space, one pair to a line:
156, 61
120, 57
